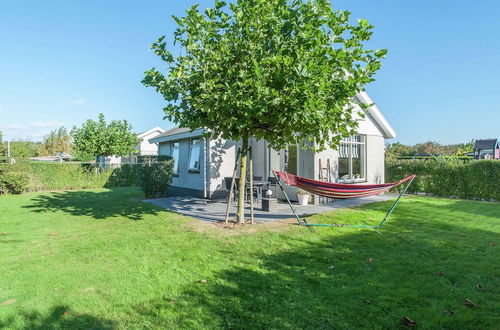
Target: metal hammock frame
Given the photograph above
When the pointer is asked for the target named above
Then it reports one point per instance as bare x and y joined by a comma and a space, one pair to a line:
303, 221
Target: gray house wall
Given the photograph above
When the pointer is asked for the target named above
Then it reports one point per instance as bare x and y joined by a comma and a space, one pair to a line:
186, 183
221, 154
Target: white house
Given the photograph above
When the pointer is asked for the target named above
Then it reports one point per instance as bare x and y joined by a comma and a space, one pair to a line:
201, 164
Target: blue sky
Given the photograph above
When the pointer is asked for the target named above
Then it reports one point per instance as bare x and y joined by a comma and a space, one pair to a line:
62, 62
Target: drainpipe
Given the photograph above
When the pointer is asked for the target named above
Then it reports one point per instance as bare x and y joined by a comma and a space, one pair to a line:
206, 189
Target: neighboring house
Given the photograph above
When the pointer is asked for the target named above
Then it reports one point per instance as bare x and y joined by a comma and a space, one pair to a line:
487, 149
58, 157
201, 164
143, 149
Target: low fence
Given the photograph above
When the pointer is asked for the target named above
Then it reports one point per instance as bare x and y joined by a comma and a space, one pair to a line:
468, 179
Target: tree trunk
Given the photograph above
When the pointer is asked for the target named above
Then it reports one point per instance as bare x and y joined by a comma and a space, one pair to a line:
243, 176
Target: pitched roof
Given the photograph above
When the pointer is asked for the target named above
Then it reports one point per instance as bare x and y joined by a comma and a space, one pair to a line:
485, 144
176, 133
149, 131
376, 116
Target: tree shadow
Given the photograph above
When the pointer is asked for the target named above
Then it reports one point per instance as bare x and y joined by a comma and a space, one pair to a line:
59, 317
329, 282
121, 202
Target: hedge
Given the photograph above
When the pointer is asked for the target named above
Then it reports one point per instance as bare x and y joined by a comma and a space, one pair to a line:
36, 176
473, 179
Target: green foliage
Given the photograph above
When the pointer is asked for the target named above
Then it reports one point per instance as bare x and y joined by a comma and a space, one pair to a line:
13, 178
152, 158
102, 139
283, 71
155, 178
24, 149
3, 147
398, 149
474, 179
57, 141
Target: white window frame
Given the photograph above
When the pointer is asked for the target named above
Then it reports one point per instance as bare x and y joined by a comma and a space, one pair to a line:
350, 142
176, 159
191, 145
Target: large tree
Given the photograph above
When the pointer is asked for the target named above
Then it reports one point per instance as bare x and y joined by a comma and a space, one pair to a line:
58, 140
99, 138
286, 71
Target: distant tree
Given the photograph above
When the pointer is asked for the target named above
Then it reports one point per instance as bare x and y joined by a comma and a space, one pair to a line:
464, 148
58, 140
3, 148
429, 148
24, 149
279, 70
97, 138
399, 149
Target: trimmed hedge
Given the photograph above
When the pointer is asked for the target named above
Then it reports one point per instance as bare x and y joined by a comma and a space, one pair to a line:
36, 176
473, 179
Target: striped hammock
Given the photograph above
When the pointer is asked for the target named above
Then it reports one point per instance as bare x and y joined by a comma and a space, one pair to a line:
338, 190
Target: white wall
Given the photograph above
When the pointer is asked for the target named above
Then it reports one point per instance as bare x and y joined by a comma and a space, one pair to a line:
147, 148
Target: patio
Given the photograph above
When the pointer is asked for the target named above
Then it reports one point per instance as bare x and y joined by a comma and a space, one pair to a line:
208, 210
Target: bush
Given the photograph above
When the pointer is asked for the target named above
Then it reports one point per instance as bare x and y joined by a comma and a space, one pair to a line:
470, 179
13, 178
155, 178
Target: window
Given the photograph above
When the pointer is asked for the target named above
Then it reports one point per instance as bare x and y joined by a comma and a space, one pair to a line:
175, 156
194, 155
352, 158
291, 159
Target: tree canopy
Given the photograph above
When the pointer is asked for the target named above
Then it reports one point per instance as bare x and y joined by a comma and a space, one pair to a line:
99, 138
57, 141
280, 70
286, 71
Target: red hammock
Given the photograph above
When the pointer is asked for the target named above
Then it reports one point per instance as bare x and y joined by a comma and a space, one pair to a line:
338, 190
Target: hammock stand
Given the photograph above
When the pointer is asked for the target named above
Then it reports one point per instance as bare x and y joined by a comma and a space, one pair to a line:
341, 191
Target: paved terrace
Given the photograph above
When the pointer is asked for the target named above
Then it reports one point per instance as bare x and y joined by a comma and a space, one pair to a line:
208, 210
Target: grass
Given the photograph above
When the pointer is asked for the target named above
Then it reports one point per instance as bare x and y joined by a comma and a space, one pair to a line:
113, 261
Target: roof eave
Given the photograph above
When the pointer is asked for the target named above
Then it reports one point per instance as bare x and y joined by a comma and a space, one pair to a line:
376, 116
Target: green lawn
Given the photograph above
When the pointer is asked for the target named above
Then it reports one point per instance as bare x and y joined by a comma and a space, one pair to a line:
113, 261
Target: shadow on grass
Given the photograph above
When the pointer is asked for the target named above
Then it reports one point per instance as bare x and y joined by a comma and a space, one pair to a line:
97, 204
321, 281
56, 319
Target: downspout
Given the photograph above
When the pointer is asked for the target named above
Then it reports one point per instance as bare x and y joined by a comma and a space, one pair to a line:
206, 188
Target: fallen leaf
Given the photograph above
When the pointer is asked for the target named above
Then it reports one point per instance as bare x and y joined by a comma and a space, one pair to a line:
88, 289
171, 302
4, 233
493, 244
479, 287
469, 303
52, 234
8, 302
66, 312
448, 312
409, 322
203, 281
441, 273
366, 301
370, 260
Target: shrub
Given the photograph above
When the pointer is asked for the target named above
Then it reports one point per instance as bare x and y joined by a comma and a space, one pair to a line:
13, 178
155, 178
470, 179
